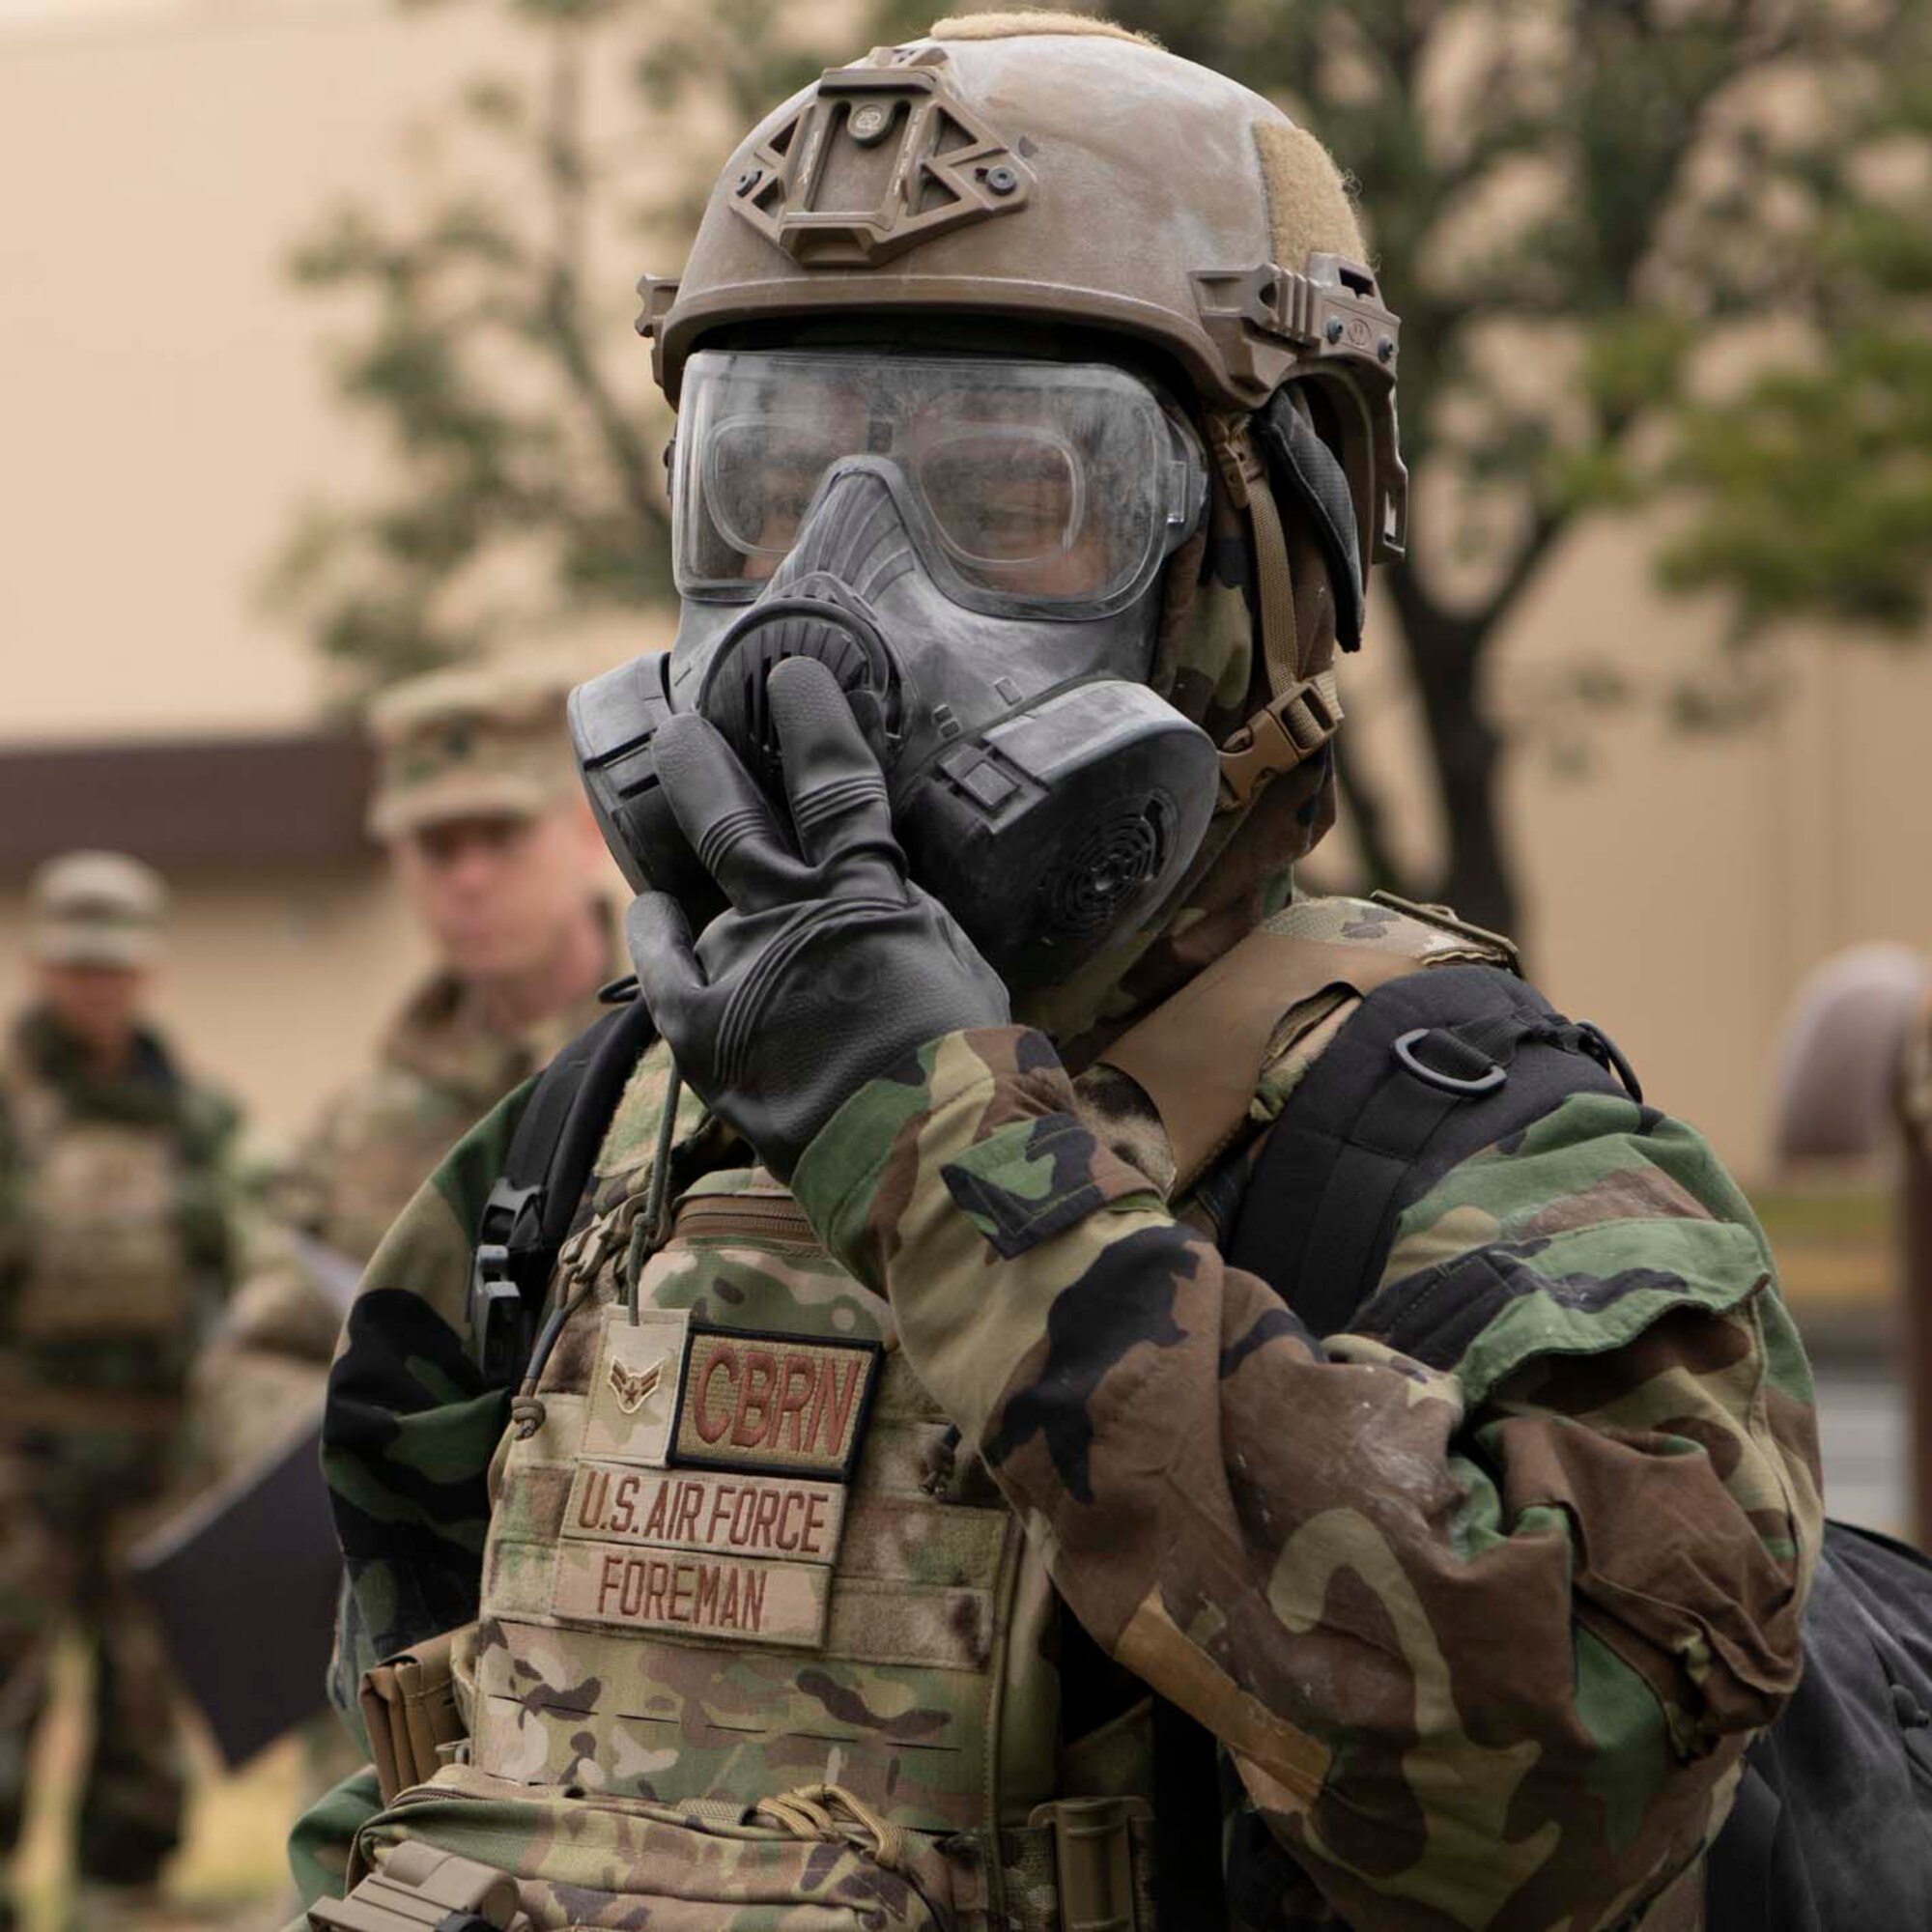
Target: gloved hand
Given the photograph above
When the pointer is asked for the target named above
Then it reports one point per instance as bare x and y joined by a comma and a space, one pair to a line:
830, 964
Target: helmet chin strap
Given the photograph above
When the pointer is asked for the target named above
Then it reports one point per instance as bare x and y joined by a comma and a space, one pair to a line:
1303, 711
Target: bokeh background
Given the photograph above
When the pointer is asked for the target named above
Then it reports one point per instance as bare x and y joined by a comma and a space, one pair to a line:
316, 366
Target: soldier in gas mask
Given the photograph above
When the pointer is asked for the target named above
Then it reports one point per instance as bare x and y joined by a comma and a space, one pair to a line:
1079, 1386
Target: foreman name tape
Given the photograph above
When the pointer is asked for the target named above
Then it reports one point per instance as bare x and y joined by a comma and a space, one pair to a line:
650, 1589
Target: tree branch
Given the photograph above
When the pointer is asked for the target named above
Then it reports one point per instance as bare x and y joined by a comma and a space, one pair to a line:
565, 176
1368, 821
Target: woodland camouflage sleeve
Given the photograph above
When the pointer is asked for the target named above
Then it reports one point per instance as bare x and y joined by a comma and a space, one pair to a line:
407, 1438
409, 1428
1484, 1635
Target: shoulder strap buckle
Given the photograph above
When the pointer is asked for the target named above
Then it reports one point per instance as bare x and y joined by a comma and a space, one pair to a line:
1286, 731
422, 1890
508, 1232
1094, 1860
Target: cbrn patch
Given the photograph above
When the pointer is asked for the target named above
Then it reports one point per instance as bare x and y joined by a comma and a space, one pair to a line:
777, 1404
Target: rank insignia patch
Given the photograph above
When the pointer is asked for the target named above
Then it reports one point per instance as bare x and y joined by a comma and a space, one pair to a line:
634, 1395
633, 1387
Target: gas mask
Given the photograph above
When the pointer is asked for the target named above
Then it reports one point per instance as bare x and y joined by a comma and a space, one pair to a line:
975, 547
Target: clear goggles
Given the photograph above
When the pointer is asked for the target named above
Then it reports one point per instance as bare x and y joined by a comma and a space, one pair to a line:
1048, 488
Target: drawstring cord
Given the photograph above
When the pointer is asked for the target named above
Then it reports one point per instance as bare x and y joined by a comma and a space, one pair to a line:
808, 1813
638, 1221
660, 1193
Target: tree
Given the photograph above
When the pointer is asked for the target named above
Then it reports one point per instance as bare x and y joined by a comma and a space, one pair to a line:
1563, 196
514, 396
1814, 481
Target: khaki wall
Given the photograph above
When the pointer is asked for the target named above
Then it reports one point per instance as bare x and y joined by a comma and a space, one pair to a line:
165, 414
164, 410
1680, 891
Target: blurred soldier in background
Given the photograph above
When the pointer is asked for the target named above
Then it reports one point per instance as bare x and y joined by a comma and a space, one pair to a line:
115, 1248
479, 803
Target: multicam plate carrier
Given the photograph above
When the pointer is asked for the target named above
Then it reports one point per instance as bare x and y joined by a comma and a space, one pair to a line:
740, 1556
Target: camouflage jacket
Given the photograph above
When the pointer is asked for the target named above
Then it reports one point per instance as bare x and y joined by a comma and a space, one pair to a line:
1483, 1642
117, 1216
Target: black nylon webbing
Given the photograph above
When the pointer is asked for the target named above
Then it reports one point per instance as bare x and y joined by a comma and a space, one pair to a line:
612, 1046
540, 1128
529, 1214
1361, 1137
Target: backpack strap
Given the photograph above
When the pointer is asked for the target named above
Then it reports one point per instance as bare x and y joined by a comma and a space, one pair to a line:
1429, 1070
534, 1200
1238, 1003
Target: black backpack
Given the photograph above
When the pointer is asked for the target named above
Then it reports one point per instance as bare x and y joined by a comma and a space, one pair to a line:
1832, 1828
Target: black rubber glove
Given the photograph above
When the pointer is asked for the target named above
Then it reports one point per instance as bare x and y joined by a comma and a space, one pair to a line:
830, 965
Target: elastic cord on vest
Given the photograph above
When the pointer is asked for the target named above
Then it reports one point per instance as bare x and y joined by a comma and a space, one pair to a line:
578, 1263
659, 1191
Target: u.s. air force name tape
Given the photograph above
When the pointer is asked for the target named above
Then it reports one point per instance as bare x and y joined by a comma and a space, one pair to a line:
782, 1517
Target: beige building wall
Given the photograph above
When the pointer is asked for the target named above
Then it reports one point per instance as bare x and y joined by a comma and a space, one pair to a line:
164, 413
164, 410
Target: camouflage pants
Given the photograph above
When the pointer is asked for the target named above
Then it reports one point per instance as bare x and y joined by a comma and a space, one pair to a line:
67, 1514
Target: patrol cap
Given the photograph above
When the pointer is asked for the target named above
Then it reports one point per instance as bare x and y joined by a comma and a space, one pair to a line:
96, 909
479, 741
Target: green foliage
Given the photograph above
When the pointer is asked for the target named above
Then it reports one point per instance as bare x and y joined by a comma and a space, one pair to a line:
1816, 488
1565, 199
496, 360
1812, 488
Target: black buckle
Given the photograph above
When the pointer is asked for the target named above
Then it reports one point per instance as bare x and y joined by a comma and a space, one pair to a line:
1602, 1049
1488, 1081
500, 1327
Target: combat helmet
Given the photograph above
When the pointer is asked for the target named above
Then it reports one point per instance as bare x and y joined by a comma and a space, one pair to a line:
1041, 166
